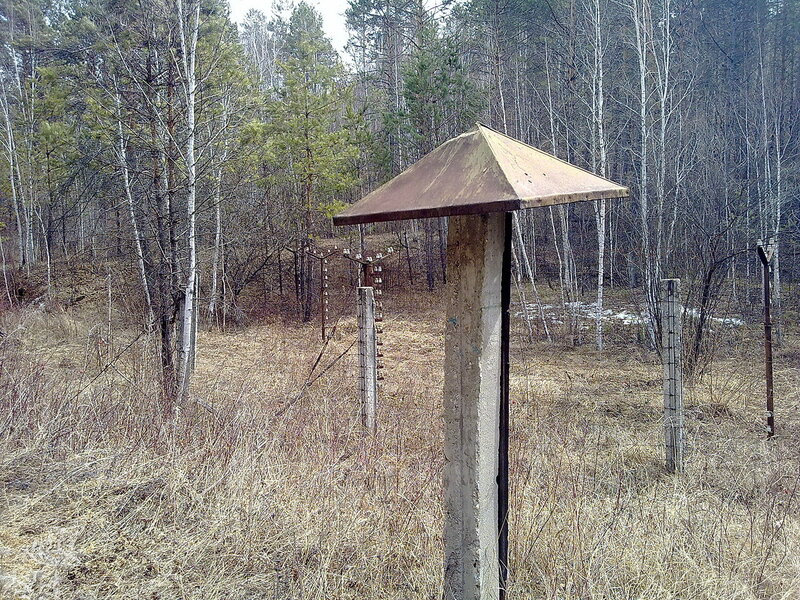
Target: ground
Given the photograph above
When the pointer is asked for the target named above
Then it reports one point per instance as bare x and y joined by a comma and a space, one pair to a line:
265, 487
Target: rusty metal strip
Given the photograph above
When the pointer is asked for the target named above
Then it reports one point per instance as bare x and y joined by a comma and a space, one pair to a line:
505, 413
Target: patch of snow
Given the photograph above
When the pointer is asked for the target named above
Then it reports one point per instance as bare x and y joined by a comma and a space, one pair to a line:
588, 310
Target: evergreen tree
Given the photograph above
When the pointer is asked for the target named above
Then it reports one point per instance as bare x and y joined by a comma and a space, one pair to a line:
311, 151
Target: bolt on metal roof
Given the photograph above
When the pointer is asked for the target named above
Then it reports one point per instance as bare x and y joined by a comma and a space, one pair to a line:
480, 171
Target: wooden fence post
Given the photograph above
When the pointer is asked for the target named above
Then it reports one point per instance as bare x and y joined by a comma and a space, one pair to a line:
367, 358
673, 374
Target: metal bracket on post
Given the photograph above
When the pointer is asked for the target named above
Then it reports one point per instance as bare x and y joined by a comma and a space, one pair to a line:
371, 276
369, 265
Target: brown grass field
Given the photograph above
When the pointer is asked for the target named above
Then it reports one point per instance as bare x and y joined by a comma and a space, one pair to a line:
266, 488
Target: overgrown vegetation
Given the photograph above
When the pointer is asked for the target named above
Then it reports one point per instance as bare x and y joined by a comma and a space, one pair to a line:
198, 149
261, 487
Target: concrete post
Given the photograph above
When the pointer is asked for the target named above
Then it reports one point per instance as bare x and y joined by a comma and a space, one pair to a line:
367, 358
472, 395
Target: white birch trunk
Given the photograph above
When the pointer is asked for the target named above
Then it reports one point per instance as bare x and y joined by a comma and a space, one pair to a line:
599, 131
529, 271
639, 17
123, 161
189, 52
561, 259
11, 155
777, 317
212, 303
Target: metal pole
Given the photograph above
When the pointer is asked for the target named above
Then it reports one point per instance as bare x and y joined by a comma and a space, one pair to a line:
502, 475
324, 298
765, 260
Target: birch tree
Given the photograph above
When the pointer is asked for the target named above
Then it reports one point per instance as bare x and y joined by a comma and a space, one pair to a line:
597, 9
189, 28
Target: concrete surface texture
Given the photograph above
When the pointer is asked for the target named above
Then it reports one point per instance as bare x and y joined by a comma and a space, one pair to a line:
471, 406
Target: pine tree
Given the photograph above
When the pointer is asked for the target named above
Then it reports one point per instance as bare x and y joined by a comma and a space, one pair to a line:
312, 153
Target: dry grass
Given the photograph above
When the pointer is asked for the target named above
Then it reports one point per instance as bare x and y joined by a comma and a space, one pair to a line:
99, 498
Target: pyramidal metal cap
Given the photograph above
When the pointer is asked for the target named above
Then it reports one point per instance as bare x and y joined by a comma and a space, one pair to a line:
480, 171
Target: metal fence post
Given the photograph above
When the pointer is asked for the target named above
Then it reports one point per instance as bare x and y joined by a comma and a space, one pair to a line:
765, 255
673, 375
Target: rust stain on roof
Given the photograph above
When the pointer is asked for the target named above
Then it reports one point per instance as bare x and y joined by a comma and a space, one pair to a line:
480, 171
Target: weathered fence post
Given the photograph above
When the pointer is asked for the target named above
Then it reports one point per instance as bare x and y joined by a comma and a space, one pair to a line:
673, 374
472, 407
765, 255
367, 358
324, 300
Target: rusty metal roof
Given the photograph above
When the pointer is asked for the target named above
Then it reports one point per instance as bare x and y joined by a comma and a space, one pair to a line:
479, 171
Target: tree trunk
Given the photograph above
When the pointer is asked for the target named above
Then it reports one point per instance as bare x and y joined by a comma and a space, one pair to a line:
189, 51
123, 160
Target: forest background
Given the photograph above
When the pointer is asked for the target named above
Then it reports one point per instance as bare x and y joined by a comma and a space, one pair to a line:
162, 132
